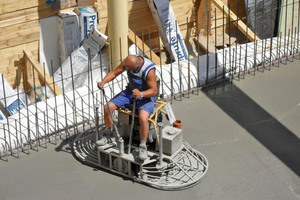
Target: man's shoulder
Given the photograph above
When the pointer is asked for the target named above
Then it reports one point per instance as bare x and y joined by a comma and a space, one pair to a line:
147, 61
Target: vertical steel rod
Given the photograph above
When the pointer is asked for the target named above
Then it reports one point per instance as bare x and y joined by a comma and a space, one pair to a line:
5, 104
150, 47
229, 27
18, 93
262, 36
170, 48
179, 66
18, 144
64, 99
37, 131
74, 98
198, 54
55, 117
160, 126
207, 47
46, 102
6, 143
161, 69
223, 33
271, 35
188, 54
216, 55
292, 30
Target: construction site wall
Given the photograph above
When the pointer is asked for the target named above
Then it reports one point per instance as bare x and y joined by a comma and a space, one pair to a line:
19, 25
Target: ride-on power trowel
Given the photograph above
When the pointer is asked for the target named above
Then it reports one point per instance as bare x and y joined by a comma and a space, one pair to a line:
172, 164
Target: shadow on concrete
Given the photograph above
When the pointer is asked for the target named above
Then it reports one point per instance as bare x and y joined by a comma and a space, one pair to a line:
66, 145
283, 143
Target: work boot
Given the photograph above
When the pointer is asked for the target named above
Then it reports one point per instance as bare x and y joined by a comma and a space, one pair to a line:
106, 139
143, 155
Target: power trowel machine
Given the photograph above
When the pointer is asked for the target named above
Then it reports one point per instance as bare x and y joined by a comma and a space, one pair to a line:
172, 164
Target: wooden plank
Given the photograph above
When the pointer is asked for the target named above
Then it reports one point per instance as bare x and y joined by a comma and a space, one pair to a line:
102, 8
192, 48
19, 33
148, 52
9, 1
18, 13
32, 25
53, 87
182, 10
18, 80
220, 37
20, 16
13, 6
289, 17
8, 70
26, 73
202, 41
21, 40
241, 25
17, 51
204, 18
9, 65
154, 36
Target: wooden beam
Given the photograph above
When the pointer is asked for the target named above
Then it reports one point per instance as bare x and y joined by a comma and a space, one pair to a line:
204, 17
38, 68
18, 77
241, 25
147, 51
203, 43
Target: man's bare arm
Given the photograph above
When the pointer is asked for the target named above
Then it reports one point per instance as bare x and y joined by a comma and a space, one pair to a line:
152, 86
111, 75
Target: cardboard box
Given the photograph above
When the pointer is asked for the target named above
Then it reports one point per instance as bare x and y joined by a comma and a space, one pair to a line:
168, 28
60, 4
88, 20
10, 103
68, 34
85, 3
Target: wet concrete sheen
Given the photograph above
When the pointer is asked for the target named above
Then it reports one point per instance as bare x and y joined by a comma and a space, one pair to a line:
249, 130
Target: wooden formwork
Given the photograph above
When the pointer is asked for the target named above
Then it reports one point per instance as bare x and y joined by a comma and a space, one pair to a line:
19, 25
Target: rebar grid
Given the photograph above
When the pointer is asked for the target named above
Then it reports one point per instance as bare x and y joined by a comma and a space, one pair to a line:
63, 116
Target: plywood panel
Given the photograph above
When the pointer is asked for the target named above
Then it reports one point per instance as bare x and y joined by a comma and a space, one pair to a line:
20, 40
24, 12
17, 50
21, 17
15, 38
289, 17
18, 27
10, 6
15, 60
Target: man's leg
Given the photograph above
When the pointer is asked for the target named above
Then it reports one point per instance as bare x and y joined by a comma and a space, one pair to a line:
107, 118
144, 124
108, 136
144, 129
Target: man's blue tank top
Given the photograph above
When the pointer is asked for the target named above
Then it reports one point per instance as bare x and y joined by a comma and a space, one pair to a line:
138, 80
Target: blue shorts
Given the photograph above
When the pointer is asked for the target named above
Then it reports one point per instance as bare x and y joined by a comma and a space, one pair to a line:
125, 97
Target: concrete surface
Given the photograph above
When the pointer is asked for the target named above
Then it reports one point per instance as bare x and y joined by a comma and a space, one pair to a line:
249, 131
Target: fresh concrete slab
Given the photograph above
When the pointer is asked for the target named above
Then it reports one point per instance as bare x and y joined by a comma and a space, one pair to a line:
249, 131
